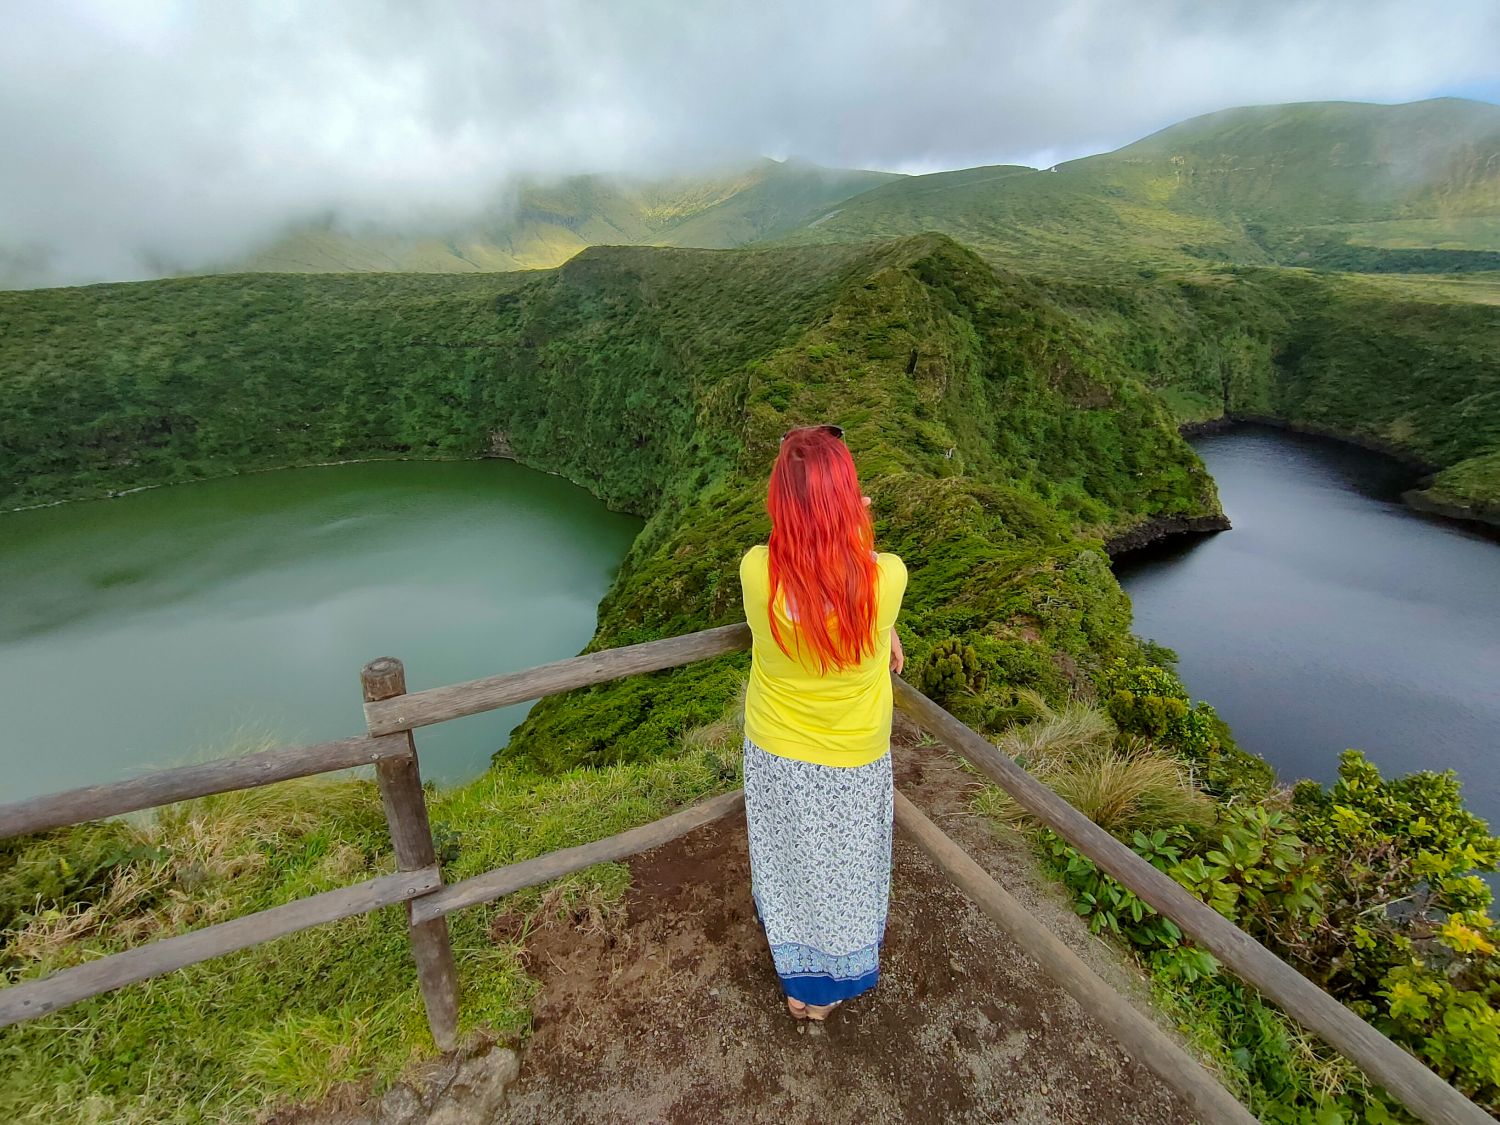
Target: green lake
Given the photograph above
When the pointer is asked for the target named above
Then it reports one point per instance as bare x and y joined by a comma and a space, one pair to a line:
190, 622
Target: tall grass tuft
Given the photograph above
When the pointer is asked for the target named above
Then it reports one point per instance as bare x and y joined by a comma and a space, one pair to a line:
1120, 783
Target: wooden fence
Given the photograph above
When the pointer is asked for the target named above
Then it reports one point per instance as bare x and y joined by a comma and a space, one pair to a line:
392, 713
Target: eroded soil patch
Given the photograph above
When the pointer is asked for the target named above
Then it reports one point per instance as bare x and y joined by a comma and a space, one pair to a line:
672, 1013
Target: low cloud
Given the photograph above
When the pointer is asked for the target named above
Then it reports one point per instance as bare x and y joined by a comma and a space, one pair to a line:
144, 137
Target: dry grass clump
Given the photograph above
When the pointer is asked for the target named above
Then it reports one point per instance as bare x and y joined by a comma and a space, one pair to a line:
190, 861
1120, 783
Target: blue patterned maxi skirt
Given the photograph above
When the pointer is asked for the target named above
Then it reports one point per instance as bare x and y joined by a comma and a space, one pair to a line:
820, 869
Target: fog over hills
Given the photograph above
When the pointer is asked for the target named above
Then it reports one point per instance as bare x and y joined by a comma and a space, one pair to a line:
544, 224
1339, 185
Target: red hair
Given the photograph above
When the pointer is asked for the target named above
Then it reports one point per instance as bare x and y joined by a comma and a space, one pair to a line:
822, 549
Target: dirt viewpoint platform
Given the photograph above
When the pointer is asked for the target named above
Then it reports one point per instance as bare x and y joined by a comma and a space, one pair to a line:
673, 1014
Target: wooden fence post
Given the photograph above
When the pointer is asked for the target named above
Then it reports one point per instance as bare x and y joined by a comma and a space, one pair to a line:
406, 813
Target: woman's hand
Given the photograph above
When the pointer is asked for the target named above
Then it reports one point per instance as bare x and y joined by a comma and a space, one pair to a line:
898, 655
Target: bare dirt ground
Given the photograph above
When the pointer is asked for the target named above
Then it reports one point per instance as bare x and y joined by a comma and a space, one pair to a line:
672, 1013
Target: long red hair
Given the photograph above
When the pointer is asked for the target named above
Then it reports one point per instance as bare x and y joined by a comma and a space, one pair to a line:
822, 550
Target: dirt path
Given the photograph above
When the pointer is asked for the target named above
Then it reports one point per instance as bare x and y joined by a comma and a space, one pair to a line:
673, 1013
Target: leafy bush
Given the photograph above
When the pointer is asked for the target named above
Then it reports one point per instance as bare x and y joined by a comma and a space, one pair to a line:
1405, 844
1149, 700
1406, 939
1367, 887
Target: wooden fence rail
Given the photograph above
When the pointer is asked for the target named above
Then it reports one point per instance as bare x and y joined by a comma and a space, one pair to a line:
1137, 1034
163, 787
391, 713
47, 994
1416, 1087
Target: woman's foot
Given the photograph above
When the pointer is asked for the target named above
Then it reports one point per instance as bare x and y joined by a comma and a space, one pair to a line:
803, 1011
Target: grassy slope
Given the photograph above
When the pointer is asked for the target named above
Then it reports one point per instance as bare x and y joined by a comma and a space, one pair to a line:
288, 1020
1304, 185
546, 224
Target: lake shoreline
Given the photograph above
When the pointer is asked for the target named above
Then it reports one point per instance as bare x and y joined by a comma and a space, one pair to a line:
116, 494
1422, 471
1335, 617
195, 619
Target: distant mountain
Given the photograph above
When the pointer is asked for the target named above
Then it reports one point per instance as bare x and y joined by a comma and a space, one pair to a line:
544, 225
1340, 185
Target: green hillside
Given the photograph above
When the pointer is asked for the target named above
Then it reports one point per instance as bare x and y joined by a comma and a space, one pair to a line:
1338, 185
993, 432
545, 224
1169, 249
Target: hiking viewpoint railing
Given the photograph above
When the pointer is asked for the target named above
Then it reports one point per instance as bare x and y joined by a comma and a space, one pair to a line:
392, 713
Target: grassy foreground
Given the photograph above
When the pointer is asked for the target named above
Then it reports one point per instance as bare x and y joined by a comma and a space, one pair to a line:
288, 1020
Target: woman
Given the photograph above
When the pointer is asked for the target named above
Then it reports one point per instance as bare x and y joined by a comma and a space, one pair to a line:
822, 608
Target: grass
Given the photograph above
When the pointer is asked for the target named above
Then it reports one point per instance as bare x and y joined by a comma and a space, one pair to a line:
1120, 783
286, 1021
1280, 1072
1472, 485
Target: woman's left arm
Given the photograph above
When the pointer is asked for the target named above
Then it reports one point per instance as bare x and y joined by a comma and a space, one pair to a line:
898, 655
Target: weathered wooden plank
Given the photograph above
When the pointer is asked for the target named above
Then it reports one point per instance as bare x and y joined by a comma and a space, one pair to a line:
406, 814
554, 865
1136, 1033
1416, 1087
436, 705
38, 997
162, 787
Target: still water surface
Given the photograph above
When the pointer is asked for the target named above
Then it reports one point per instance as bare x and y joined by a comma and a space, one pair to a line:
1331, 616
187, 622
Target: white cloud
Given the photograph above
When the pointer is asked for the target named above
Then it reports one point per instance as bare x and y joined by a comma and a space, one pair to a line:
135, 133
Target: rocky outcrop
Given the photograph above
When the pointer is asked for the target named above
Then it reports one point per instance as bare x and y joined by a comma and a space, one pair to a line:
1421, 501
454, 1089
1154, 531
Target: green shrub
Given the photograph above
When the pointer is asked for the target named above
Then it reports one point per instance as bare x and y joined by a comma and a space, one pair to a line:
1149, 700
1369, 888
952, 669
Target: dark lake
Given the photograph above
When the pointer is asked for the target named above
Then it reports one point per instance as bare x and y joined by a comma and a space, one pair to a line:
207, 619
1331, 616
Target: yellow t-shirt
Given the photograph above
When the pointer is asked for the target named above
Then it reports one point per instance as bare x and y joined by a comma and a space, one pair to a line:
841, 719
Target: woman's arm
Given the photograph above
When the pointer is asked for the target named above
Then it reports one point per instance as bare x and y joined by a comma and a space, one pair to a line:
898, 655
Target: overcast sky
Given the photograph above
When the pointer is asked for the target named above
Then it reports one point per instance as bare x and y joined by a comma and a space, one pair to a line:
192, 131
